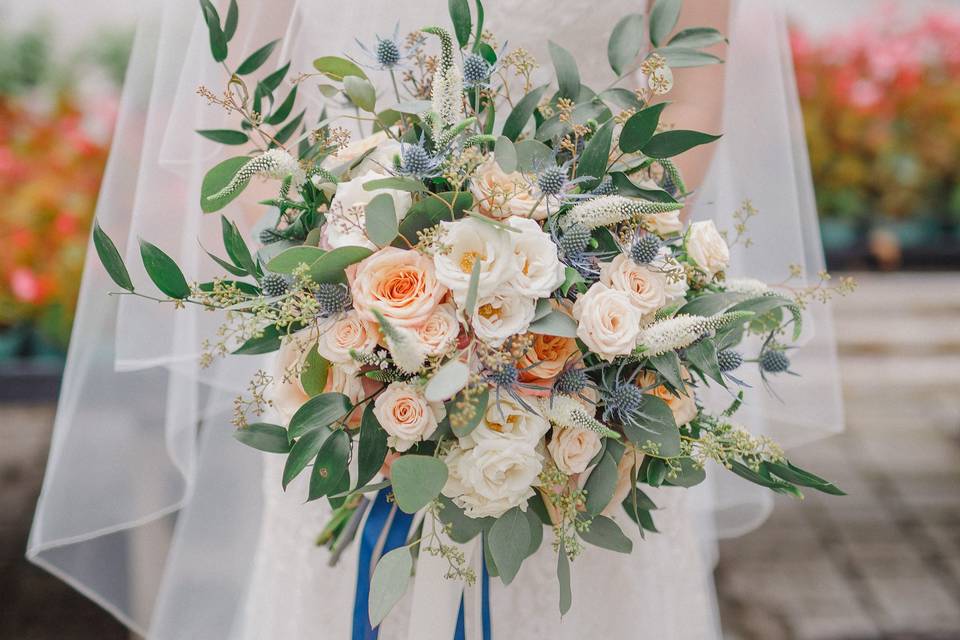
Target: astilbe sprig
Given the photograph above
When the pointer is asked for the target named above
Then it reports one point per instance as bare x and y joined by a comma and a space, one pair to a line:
683, 330
275, 163
610, 210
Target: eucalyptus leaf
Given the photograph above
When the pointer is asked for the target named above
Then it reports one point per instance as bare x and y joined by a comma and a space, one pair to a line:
556, 323
303, 451
596, 154
236, 248
556, 127
601, 485
475, 406
293, 257
330, 267
271, 438
563, 577
565, 65
447, 381
668, 365
318, 412
272, 80
690, 474
163, 271
218, 39
381, 220
281, 136
657, 425
536, 531
625, 42
532, 154
471, 301
256, 59
316, 368
224, 136
509, 543
390, 581
697, 38
330, 465
463, 528
622, 98
604, 532
417, 480
505, 154
396, 183
337, 68
640, 128
361, 92
663, 19
668, 144
521, 113
267, 342
281, 112
460, 16
371, 446
110, 258
682, 57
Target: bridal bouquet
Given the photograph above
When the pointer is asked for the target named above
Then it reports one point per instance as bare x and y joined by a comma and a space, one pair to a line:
489, 310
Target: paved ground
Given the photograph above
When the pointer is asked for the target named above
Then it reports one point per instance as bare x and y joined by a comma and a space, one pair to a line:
882, 563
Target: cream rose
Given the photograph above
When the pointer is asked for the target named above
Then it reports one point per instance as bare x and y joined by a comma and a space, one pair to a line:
400, 284
502, 315
471, 240
439, 332
646, 287
406, 415
507, 419
287, 393
664, 224
674, 278
501, 195
683, 406
609, 323
573, 449
494, 476
347, 333
381, 148
707, 248
539, 270
347, 217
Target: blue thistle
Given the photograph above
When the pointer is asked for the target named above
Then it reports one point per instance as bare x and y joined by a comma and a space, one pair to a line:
476, 70
386, 54
416, 161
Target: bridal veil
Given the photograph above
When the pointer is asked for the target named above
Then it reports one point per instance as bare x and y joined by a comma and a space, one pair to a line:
148, 506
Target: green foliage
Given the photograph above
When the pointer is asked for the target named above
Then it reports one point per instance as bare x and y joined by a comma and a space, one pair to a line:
163, 271
601, 484
218, 39
448, 380
331, 265
264, 437
313, 377
389, 583
663, 19
337, 68
593, 160
110, 258
460, 16
563, 577
555, 323
565, 66
361, 92
216, 179
224, 136
236, 247
303, 451
640, 128
476, 404
256, 59
463, 529
371, 447
509, 543
625, 42
604, 532
330, 465
381, 220
521, 113
318, 412
657, 426
672, 143
417, 481
293, 257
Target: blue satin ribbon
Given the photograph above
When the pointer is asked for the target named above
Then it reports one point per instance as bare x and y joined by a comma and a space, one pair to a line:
396, 537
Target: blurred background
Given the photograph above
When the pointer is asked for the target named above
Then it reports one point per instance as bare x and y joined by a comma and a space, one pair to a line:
880, 87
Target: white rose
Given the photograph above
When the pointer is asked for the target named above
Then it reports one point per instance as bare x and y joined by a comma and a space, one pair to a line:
664, 224
674, 278
286, 391
347, 217
406, 415
347, 333
507, 419
707, 248
539, 270
440, 331
646, 287
380, 160
493, 477
501, 315
573, 449
609, 324
471, 240
500, 195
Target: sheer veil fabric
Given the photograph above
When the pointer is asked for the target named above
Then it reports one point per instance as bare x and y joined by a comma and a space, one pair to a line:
153, 511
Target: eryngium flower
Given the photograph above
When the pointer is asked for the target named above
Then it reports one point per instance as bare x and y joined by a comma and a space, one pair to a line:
610, 210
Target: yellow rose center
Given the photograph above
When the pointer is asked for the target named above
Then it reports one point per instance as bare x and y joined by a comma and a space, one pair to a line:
468, 259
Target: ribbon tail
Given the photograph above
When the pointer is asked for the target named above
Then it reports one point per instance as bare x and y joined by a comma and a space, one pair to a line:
386, 529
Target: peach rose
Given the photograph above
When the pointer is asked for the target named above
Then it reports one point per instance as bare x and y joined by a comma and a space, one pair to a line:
646, 288
573, 449
501, 195
347, 333
400, 284
683, 406
406, 415
609, 323
439, 333
546, 358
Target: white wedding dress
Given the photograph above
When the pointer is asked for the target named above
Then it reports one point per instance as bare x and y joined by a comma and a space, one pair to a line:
182, 533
